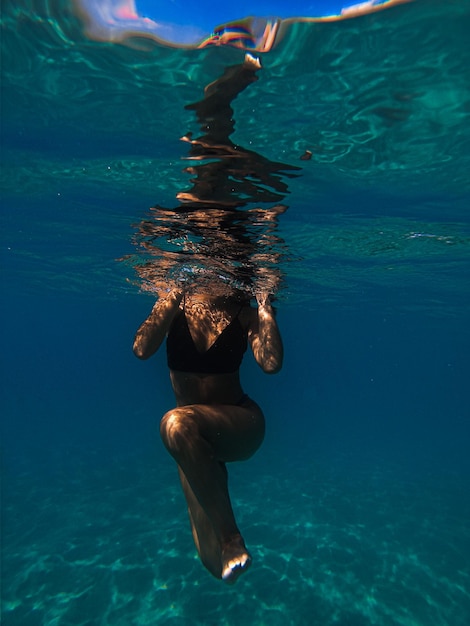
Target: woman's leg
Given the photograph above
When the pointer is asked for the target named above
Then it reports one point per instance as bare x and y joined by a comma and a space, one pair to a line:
204, 536
201, 438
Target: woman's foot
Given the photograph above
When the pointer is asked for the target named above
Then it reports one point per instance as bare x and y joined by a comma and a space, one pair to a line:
252, 62
235, 559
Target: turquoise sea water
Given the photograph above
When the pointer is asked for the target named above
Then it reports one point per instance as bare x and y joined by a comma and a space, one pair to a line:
356, 508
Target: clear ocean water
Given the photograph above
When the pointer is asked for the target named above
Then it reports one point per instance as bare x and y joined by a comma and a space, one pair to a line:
356, 508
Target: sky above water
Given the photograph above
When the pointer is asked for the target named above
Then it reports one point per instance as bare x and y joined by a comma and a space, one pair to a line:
209, 13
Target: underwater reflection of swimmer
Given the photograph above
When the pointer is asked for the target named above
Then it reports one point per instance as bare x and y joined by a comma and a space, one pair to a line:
211, 228
241, 248
230, 176
223, 257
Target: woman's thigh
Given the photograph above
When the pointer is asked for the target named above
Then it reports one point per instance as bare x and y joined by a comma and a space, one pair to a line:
234, 432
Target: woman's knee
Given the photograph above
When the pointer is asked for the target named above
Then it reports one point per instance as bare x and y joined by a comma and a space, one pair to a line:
177, 427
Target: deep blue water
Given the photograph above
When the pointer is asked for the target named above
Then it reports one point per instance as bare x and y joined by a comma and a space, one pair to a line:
356, 508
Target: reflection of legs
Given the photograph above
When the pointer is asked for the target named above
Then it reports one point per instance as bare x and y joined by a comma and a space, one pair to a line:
201, 438
214, 112
235, 79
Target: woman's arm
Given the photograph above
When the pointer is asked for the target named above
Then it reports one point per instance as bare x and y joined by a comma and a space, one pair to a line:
153, 331
264, 337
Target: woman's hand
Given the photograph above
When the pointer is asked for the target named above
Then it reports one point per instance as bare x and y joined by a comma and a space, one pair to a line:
265, 338
262, 299
153, 331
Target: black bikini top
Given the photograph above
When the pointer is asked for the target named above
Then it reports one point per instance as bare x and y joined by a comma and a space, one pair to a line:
224, 355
